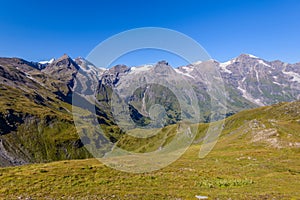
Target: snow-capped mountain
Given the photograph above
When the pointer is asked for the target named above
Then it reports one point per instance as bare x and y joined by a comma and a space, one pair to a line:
256, 80
249, 82
36, 96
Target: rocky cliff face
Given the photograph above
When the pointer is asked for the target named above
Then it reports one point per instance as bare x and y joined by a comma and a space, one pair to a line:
251, 81
262, 82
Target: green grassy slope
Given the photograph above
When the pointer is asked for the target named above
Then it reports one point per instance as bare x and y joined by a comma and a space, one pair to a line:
37, 133
256, 157
276, 126
252, 173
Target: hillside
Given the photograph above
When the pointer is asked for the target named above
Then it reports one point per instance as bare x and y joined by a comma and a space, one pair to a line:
36, 122
256, 157
276, 126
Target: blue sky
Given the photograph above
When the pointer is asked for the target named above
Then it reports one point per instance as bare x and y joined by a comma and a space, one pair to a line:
39, 30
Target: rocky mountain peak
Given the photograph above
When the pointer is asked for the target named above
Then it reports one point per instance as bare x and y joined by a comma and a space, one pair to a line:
112, 76
119, 69
247, 56
163, 67
65, 56
163, 62
83, 63
63, 62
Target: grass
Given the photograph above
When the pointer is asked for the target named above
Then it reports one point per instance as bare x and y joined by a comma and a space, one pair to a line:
44, 134
243, 172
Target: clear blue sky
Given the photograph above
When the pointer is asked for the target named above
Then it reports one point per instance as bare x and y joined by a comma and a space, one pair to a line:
38, 30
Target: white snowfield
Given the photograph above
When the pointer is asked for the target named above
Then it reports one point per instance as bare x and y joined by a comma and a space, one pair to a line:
140, 69
47, 61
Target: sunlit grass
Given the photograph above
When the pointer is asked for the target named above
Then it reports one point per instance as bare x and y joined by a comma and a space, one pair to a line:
245, 173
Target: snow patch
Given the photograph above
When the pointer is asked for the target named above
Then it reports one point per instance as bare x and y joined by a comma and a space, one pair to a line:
252, 56
225, 64
185, 74
197, 63
140, 69
47, 61
278, 83
248, 96
263, 63
294, 75
91, 69
188, 69
102, 68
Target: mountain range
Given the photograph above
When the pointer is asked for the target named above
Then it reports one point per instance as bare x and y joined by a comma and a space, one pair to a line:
36, 117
